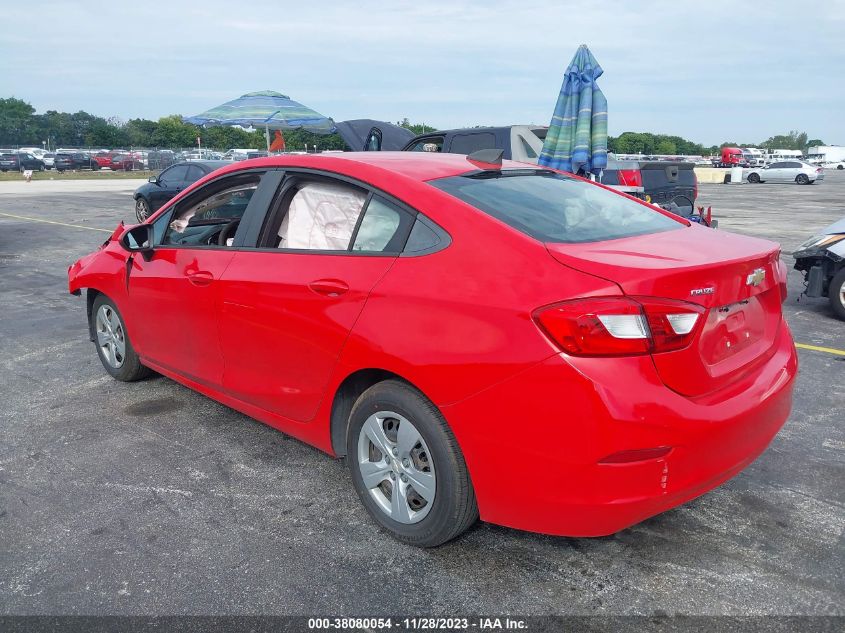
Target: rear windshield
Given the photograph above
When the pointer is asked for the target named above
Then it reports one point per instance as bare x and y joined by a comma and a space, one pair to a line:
554, 208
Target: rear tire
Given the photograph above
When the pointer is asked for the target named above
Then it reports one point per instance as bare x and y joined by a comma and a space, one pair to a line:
418, 487
836, 293
754, 178
112, 342
802, 179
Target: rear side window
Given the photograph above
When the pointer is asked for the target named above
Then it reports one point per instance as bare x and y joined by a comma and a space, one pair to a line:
555, 208
383, 229
469, 143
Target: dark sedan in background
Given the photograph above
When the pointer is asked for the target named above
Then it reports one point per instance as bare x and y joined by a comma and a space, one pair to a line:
20, 161
75, 160
150, 196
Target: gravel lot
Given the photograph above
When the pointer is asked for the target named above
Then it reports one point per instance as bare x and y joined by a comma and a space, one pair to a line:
148, 498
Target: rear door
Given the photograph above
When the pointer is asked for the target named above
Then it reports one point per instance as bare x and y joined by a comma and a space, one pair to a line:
791, 171
775, 173
289, 303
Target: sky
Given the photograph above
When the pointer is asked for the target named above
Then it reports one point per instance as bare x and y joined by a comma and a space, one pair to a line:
710, 71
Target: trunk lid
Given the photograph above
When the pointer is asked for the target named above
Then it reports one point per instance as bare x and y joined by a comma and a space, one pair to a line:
734, 277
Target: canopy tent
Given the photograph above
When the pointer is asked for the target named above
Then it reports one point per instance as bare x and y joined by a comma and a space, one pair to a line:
267, 109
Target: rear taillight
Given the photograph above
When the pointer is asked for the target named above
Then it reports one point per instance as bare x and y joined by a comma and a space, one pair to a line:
630, 177
619, 326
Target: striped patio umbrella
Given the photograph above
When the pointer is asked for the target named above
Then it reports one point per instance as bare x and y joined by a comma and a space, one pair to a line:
265, 109
577, 136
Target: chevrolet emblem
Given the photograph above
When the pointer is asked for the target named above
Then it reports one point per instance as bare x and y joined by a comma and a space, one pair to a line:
756, 277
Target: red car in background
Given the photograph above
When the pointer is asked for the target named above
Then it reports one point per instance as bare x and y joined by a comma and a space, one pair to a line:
104, 158
126, 162
477, 337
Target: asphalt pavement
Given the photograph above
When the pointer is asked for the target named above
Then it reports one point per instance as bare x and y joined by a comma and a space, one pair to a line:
148, 498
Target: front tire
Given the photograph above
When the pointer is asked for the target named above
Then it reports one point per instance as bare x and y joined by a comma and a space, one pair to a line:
836, 293
754, 178
112, 342
142, 209
407, 467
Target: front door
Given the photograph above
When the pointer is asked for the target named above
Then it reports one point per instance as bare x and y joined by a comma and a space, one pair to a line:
289, 305
178, 289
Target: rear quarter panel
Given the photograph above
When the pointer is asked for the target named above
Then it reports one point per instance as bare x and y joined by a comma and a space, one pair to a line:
459, 320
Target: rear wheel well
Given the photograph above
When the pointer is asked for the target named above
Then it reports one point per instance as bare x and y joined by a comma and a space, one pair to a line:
349, 391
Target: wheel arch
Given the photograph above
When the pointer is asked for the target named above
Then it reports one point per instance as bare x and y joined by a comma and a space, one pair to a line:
349, 390
91, 295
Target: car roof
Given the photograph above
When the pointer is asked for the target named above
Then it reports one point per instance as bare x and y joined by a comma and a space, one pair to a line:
420, 166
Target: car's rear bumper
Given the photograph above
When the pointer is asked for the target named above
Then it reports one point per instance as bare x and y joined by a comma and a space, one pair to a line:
534, 443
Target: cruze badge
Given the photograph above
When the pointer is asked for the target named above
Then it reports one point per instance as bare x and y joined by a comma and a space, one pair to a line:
756, 277
702, 291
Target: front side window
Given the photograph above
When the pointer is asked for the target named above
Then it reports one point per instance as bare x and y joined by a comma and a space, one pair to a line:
174, 174
201, 222
551, 207
194, 174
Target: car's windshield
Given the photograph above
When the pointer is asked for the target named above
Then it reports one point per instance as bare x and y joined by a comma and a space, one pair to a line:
555, 208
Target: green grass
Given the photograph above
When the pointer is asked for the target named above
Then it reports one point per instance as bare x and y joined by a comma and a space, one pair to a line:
52, 174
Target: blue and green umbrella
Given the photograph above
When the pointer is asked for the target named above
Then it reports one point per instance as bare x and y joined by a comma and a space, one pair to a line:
577, 135
267, 109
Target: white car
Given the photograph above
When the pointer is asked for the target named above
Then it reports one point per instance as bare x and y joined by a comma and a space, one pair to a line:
795, 171
835, 164
49, 160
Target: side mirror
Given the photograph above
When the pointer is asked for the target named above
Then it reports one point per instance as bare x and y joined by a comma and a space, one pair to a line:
153, 179
139, 239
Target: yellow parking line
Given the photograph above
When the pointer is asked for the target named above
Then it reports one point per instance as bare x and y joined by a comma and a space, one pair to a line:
816, 348
75, 226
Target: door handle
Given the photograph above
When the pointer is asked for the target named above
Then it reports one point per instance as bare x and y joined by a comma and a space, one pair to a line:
329, 287
200, 278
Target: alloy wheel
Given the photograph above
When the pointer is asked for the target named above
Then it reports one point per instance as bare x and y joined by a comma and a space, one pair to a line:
396, 467
142, 209
111, 337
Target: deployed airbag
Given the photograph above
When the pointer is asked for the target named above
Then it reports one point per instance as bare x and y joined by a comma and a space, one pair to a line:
321, 216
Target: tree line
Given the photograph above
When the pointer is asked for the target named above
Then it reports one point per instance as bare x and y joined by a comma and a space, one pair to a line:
20, 125
647, 143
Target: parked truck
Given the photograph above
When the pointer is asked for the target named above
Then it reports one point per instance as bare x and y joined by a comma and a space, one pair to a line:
731, 157
830, 156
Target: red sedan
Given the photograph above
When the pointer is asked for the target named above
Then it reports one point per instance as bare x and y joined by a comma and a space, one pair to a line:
478, 338
126, 162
